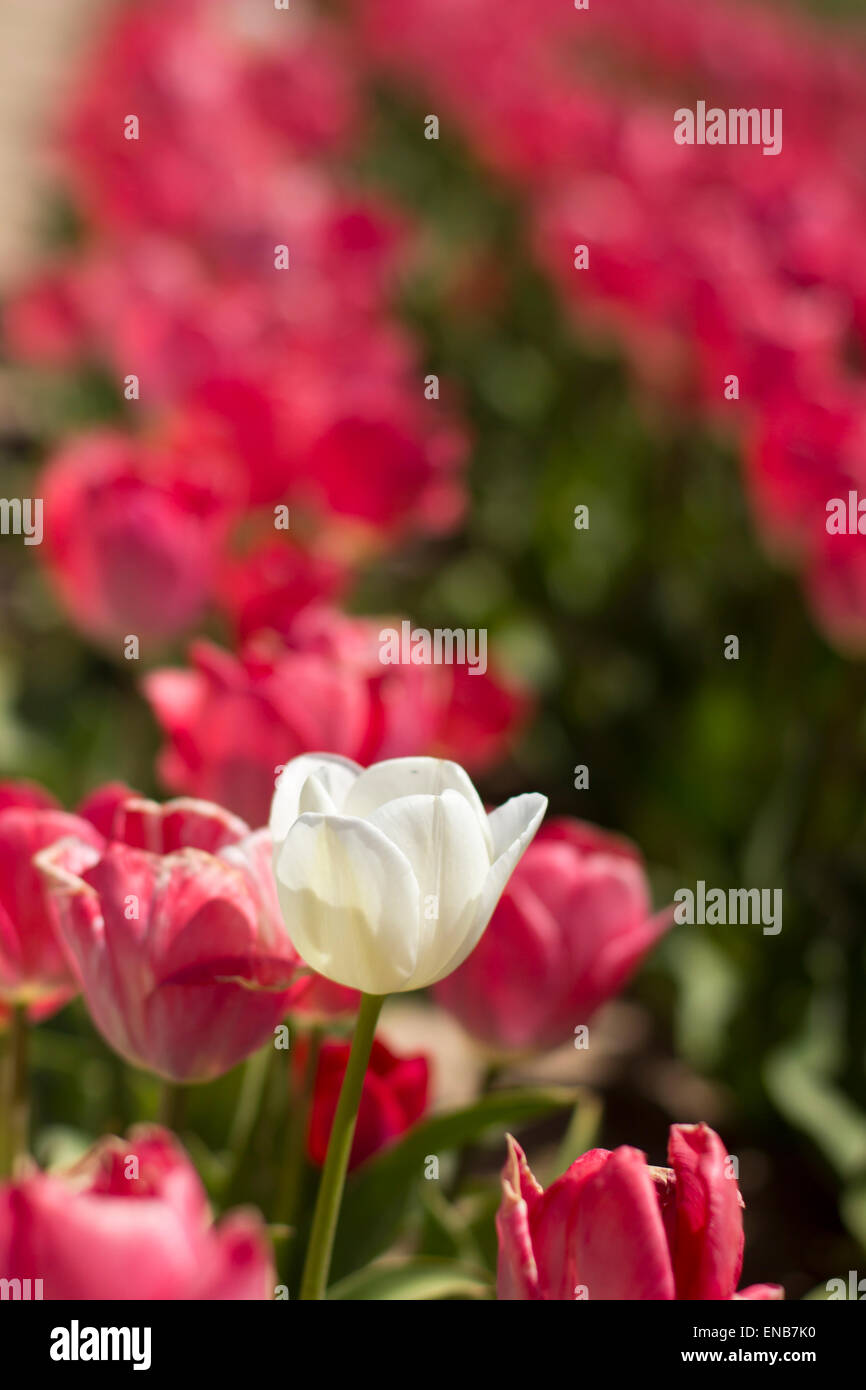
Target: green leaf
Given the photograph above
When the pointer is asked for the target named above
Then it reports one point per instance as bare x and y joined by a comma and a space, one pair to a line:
852, 1205
583, 1129
378, 1195
800, 1080
414, 1280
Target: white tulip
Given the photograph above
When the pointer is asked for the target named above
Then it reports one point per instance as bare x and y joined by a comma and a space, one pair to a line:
388, 875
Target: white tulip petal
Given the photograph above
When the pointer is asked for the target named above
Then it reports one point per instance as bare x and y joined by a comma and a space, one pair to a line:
350, 902
335, 775
314, 798
517, 819
523, 815
442, 840
399, 777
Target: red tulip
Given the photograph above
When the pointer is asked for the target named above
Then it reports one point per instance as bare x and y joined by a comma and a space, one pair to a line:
393, 1099
571, 926
184, 962
612, 1227
132, 540
131, 1221
34, 968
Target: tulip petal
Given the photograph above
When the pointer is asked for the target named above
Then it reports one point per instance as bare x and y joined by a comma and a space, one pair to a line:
335, 774
399, 777
523, 815
442, 840
504, 993
32, 961
516, 1271
621, 1251
553, 1217
708, 1242
185, 822
760, 1293
516, 819
315, 797
350, 901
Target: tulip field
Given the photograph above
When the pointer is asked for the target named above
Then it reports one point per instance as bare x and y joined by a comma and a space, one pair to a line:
433, 664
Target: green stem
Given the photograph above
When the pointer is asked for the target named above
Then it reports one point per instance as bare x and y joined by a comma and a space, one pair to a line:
172, 1105
247, 1113
315, 1277
15, 1097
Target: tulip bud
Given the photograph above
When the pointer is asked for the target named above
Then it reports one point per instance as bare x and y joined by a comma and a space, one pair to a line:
611, 1227
387, 876
184, 962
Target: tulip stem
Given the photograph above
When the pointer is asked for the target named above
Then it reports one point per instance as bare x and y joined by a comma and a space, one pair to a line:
247, 1117
172, 1105
318, 1263
15, 1097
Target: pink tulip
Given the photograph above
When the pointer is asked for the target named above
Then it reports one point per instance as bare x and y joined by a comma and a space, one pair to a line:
233, 721
572, 925
267, 588
185, 823
27, 795
100, 806
131, 1221
34, 968
132, 540
612, 1227
184, 963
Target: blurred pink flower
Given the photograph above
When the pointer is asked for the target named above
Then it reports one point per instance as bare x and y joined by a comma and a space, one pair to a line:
233, 721
34, 969
265, 588
800, 454
130, 1221
132, 541
380, 474
612, 1227
26, 795
703, 263
572, 925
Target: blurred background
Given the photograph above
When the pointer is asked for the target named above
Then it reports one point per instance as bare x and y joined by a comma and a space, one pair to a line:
706, 515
